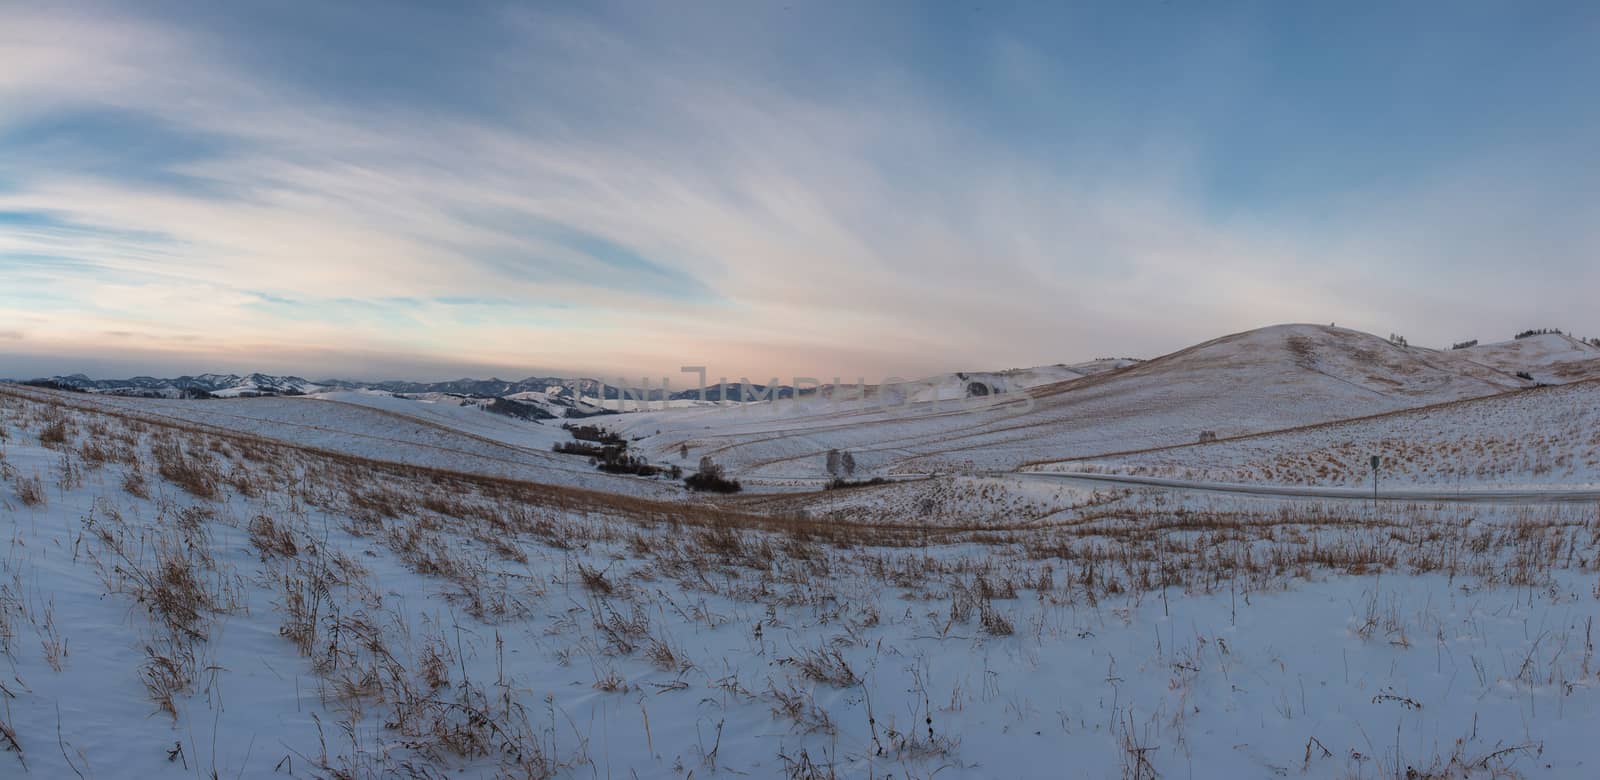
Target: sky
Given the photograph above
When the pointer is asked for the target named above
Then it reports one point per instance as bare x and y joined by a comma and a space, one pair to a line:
379, 190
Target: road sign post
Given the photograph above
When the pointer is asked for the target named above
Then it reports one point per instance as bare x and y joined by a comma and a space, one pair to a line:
1376, 461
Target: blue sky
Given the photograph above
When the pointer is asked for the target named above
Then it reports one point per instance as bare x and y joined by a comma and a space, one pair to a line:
821, 189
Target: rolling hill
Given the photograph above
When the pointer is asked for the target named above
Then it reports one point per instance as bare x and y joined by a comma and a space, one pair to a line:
1261, 380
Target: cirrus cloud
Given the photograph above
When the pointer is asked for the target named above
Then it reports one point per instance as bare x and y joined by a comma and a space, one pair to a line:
848, 191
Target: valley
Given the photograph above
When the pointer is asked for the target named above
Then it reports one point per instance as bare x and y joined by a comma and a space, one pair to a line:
358, 582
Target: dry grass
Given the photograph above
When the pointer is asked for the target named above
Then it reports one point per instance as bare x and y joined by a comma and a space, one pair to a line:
615, 556
55, 432
271, 539
799, 706
8, 739
595, 580
134, 484
30, 491
167, 569
195, 472
824, 665
167, 675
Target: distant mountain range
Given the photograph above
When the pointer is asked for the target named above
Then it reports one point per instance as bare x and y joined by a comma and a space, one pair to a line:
204, 385
252, 385
1533, 357
575, 396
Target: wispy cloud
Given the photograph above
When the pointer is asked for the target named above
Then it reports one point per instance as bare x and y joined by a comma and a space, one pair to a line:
617, 190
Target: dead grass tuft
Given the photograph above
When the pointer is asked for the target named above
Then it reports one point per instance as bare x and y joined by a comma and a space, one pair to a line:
30, 491
270, 539
824, 665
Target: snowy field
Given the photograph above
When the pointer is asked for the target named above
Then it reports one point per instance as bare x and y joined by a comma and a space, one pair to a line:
378, 426
286, 588
1536, 438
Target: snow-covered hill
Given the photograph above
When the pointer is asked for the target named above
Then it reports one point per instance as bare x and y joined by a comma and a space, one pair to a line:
217, 385
1540, 437
378, 426
1261, 380
1550, 358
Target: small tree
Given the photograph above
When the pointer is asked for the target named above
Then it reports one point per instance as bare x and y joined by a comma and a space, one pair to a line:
847, 462
835, 464
1538, 332
710, 478
709, 468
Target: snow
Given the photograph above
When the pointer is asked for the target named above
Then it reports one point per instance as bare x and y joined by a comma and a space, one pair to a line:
1254, 382
1329, 675
1538, 438
414, 586
1551, 358
375, 425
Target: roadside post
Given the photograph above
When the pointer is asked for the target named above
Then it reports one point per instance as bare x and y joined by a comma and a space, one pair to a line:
1376, 461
